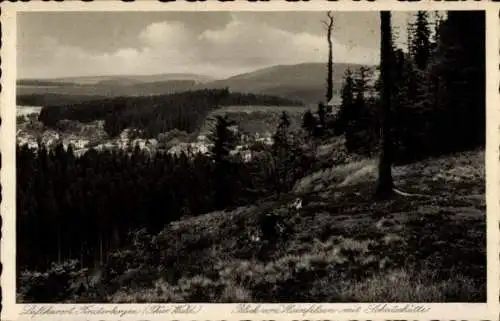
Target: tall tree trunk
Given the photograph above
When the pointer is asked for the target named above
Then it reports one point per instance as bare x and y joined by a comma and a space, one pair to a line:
116, 238
81, 256
385, 183
59, 256
329, 81
100, 250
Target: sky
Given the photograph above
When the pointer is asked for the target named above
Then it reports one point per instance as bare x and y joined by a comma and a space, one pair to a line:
216, 44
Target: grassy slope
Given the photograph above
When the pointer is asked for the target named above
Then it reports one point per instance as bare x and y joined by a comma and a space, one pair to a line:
343, 246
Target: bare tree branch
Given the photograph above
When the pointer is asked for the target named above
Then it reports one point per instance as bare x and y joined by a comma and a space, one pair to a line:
328, 24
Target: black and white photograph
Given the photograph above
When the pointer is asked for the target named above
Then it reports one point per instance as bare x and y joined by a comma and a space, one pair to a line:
250, 157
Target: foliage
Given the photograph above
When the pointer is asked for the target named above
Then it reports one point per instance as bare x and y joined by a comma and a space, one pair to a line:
152, 115
321, 117
61, 282
357, 118
309, 122
437, 97
421, 45
289, 157
346, 108
223, 141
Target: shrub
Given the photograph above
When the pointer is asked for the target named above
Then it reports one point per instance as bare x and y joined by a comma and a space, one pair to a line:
59, 283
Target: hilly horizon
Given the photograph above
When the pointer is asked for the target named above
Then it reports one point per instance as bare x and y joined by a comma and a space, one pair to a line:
96, 79
304, 82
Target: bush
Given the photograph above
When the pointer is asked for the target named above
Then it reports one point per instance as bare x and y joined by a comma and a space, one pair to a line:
61, 282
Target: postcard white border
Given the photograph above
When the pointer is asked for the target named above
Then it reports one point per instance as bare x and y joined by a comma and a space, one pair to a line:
461, 311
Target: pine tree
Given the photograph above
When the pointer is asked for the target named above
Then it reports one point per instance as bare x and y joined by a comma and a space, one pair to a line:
280, 137
346, 106
361, 84
223, 140
438, 20
309, 122
410, 30
322, 116
458, 83
284, 123
357, 116
421, 46
282, 155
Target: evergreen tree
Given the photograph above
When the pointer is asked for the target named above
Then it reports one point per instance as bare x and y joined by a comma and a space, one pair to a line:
457, 77
280, 137
223, 140
346, 106
357, 131
282, 155
284, 123
438, 20
361, 85
421, 40
309, 122
322, 117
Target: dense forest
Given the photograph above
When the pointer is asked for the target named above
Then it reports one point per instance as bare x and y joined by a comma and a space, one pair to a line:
153, 115
438, 82
50, 99
84, 207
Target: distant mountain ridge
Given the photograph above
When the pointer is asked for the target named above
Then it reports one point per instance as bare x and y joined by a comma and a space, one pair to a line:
305, 82
116, 79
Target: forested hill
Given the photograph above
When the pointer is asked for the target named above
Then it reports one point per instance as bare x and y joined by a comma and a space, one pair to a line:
152, 115
53, 99
304, 82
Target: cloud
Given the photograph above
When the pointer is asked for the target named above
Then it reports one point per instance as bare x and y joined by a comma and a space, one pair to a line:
53, 59
165, 33
243, 41
169, 46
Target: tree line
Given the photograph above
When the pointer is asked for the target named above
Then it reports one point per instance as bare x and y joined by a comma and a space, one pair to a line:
152, 115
